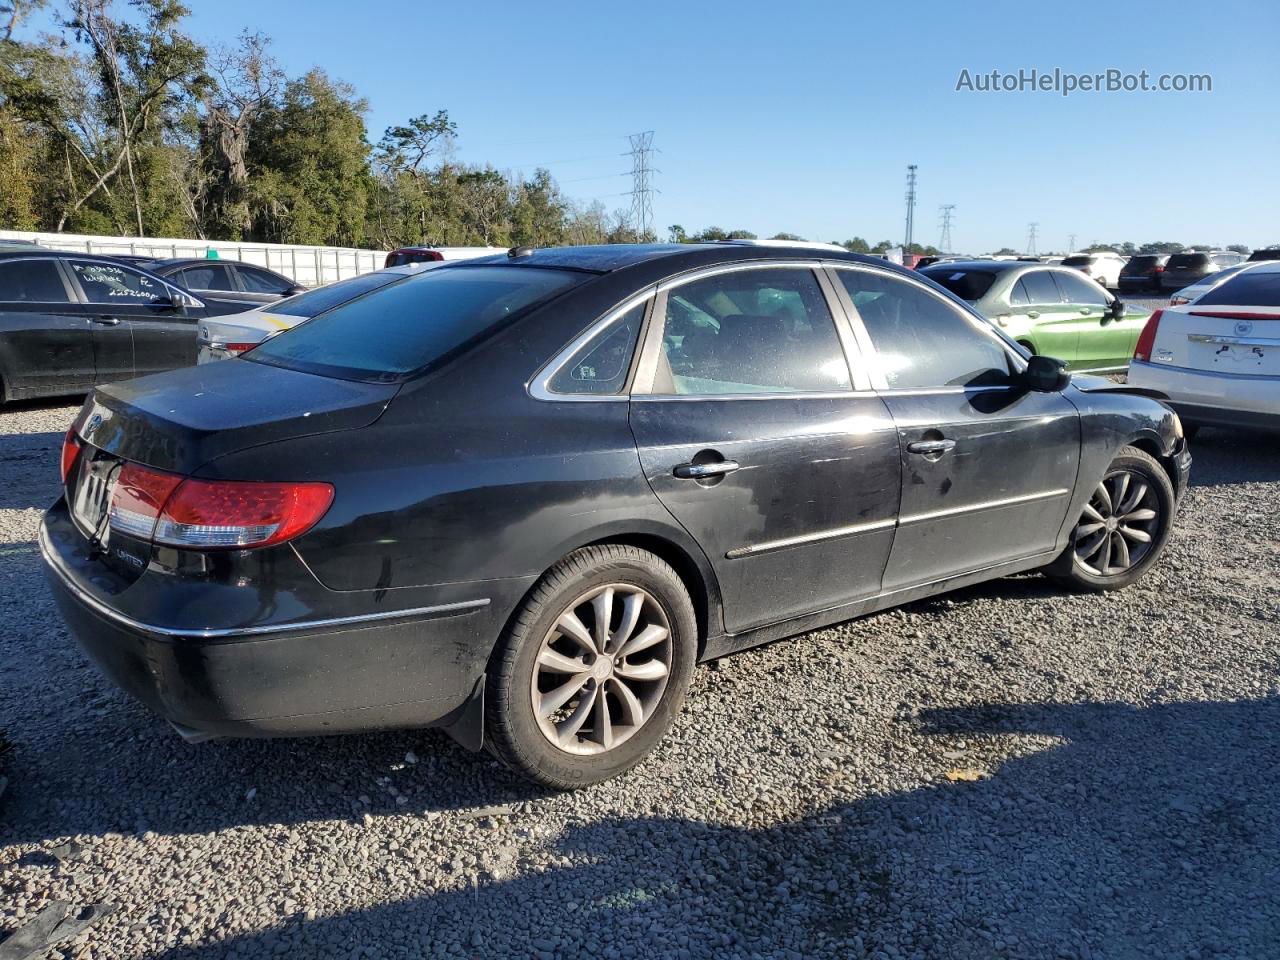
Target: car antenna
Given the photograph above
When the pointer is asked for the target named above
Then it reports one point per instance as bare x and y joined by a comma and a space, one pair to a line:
516, 253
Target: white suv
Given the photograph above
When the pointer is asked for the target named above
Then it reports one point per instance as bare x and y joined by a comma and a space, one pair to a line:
1103, 266
1217, 358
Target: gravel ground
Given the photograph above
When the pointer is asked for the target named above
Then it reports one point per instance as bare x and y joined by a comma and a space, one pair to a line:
814, 800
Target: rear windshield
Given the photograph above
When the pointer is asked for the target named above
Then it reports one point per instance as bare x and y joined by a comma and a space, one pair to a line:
326, 298
400, 257
404, 327
1077, 261
1250, 288
1187, 261
1268, 254
968, 285
1143, 262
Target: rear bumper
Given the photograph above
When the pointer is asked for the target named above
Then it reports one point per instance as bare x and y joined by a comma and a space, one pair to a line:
1213, 397
381, 671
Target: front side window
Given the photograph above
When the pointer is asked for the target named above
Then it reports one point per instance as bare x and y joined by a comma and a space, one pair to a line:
31, 281
920, 340
600, 367
1076, 289
111, 283
261, 281
408, 326
750, 331
206, 277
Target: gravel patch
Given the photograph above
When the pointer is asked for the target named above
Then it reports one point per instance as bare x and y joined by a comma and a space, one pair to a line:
1008, 771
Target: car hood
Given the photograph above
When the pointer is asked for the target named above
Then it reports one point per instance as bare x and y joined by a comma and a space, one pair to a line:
182, 419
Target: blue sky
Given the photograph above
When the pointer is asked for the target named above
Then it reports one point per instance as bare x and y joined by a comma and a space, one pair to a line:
803, 116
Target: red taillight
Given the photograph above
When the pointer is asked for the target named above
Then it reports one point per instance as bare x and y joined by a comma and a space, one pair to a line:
210, 514
70, 450
238, 348
1147, 339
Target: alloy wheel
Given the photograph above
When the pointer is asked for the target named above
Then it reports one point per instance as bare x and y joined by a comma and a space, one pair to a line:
1118, 526
602, 669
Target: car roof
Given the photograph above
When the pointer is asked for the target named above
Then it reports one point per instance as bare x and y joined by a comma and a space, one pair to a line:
609, 257
189, 261
985, 266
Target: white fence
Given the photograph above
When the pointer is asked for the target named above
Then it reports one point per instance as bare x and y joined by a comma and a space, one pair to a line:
310, 266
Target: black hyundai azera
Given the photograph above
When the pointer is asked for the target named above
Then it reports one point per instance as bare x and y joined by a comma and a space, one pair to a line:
520, 497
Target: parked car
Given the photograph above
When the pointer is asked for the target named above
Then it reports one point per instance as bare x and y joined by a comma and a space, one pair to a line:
1184, 269
1265, 253
398, 258
1142, 272
1103, 267
1049, 310
1204, 285
527, 520
231, 336
69, 321
1217, 359
229, 280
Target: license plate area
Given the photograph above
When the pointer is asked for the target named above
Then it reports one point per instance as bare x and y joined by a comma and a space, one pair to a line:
91, 498
1236, 355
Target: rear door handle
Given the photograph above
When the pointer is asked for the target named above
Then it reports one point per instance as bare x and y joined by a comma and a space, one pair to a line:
927, 447
107, 321
698, 471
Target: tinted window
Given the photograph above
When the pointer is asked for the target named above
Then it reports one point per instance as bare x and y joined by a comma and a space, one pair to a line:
407, 326
262, 281
1039, 287
750, 331
1141, 264
1019, 296
966, 284
401, 257
109, 283
601, 366
1078, 261
326, 298
30, 281
1076, 289
209, 277
920, 340
1187, 261
1251, 288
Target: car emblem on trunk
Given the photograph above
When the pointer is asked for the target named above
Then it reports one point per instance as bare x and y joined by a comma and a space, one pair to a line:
1243, 327
93, 424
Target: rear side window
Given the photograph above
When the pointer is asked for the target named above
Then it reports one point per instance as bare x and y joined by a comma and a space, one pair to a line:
750, 331
326, 298
208, 277
32, 281
405, 327
968, 285
1250, 288
601, 366
262, 281
920, 340
1039, 287
109, 283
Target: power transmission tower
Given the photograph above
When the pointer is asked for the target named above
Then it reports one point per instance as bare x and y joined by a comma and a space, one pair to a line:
641, 186
1031, 238
1071, 243
944, 242
911, 206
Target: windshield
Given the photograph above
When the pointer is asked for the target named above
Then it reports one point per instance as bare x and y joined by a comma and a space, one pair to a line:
968, 285
404, 327
326, 298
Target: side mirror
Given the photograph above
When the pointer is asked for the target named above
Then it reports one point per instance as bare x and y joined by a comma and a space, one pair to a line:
1117, 309
1046, 375
177, 300
296, 289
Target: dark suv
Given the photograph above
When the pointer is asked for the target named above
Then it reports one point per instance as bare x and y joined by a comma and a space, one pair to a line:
1269, 253
69, 321
1184, 269
1143, 272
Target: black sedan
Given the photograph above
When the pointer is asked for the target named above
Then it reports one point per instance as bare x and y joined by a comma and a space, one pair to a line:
520, 497
69, 321
230, 280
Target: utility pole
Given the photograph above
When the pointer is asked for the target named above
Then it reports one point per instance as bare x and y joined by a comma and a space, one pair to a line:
944, 242
1031, 238
1071, 243
641, 186
911, 206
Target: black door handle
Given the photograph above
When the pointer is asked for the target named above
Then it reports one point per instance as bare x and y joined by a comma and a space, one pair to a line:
700, 471
931, 447
106, 321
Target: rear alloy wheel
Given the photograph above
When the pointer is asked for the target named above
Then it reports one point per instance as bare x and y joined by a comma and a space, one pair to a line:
1123, 528
594, 668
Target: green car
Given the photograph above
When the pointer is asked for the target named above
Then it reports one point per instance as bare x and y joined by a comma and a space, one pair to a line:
1055, 311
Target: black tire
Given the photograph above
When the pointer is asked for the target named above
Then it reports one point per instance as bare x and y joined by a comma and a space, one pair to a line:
515, 735
1095, 572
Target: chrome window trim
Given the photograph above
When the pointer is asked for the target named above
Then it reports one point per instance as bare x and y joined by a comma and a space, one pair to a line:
978, 323
116, 616
985, 505
539, 386
647, 369
834, 533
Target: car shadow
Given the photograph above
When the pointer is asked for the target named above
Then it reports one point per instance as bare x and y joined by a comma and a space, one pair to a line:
1113, 831
29, 463
1222, 457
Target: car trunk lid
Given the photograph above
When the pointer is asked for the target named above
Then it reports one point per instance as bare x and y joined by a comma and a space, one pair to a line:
1234, 340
